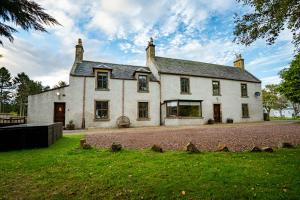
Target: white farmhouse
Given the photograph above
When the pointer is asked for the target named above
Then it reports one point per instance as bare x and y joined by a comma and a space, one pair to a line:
166, 91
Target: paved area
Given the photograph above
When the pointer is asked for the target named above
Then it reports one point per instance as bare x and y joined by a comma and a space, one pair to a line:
237, 137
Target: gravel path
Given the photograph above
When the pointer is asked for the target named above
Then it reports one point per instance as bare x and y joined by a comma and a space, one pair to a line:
237, 137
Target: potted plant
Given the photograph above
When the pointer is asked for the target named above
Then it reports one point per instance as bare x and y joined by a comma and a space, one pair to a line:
70, 125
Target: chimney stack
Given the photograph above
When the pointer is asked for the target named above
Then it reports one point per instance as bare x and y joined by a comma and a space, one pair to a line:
79, 52
150, 50
239, 62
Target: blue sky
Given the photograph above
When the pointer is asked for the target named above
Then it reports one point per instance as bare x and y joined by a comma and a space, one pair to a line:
118, 31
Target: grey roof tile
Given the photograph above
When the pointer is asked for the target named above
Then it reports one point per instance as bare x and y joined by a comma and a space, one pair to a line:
193, 68
119, 71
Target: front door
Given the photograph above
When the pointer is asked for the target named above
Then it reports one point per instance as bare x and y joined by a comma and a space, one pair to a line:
59, 112
217, 112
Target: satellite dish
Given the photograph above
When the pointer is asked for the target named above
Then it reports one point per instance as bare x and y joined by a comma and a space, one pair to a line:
257, 94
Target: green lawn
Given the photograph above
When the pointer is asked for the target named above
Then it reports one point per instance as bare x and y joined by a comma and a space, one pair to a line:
65, 171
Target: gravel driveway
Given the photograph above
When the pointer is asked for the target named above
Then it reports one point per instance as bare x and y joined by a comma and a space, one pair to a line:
237, 137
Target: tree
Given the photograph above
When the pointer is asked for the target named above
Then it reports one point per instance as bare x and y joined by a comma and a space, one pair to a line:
281, 103
60, 84
25, 87
6, 85
269, 95
267, 20
25, 14
290, 85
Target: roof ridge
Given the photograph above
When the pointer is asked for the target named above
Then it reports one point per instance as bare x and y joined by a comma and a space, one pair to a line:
114, 63
195, 61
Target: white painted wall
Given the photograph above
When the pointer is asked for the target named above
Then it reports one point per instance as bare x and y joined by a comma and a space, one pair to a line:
287, 112
131, 98
41, 106
201, 89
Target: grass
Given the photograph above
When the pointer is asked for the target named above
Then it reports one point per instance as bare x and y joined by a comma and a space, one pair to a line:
64, 171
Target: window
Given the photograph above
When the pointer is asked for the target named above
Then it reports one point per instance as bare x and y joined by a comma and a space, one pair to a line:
245, 111
102, 80
142, 83
182, 108
244, 90
216, 88
172, 109
101, 110
185, 85
143, 110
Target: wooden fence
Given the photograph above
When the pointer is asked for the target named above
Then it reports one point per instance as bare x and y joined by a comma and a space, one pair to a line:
6, 120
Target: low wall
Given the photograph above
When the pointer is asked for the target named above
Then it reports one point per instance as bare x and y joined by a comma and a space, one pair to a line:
27, 136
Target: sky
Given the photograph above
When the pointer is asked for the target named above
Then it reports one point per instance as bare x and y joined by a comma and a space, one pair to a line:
117, 31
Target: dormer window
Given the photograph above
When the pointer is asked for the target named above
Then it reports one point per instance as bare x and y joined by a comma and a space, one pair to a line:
102, 80
143, 83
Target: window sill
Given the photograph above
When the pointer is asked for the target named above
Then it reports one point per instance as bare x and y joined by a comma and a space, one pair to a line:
185, 93
99, 120
184, 117
247, 117
244, 96
143, 91
217, 95
143, 119
99, 89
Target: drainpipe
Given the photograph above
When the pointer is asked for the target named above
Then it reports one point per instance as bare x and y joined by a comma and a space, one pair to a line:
123, 94
160, 104
83, 104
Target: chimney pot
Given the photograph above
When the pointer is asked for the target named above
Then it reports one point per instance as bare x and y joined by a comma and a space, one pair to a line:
79, 51
239, 62
150, 50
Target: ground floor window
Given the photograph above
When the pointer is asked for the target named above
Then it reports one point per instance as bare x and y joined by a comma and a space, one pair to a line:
245, 110
101, 110
184, 108
143, 112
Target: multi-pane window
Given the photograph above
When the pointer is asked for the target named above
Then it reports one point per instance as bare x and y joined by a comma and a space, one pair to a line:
244, 90
216, 88
102, 80
245, 110
143, 110
184, 109
185, 85
172, 108
142, 83
101, 110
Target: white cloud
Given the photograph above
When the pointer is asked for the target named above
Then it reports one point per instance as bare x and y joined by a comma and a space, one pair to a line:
270, 80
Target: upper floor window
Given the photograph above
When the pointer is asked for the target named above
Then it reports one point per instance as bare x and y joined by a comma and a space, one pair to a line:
244, 90
245, 110
101, 110
216, 88
185, 85
102, 80
143, 83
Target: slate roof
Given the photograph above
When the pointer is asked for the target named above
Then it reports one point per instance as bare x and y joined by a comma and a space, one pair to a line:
119, 71
193, 68
167, 66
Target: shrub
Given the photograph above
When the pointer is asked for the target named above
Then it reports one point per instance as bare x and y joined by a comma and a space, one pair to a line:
70, 125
